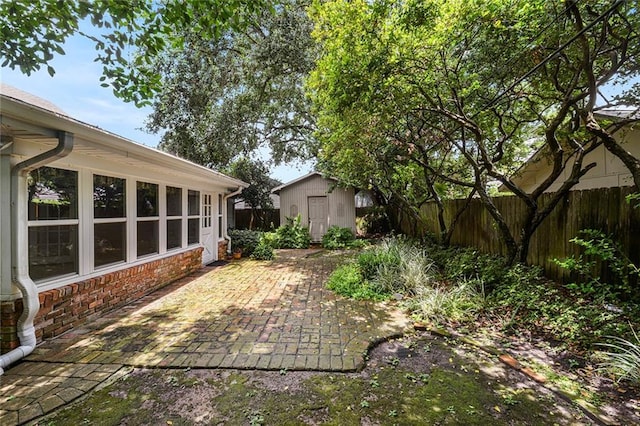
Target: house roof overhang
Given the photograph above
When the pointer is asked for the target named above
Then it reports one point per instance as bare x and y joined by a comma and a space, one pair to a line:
26, 121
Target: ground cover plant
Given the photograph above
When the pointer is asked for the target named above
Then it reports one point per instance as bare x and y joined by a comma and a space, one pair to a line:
588, 336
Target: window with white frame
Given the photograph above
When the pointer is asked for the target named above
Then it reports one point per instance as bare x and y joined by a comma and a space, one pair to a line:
174, 217
122, 219
193, 220
52, 222
147, 218
110, 220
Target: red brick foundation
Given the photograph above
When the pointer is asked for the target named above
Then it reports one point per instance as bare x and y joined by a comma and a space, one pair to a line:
71, 305
222, 250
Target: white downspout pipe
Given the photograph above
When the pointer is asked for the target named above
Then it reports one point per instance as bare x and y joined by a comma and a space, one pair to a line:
20, 248
225, 218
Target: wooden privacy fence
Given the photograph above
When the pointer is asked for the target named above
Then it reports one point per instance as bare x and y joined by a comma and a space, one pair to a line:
603, 209
265, 219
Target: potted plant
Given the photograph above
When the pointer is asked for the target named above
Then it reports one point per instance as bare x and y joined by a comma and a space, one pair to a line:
237, 252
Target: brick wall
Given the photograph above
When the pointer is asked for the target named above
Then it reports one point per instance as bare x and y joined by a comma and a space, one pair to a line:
222, 250
70, 306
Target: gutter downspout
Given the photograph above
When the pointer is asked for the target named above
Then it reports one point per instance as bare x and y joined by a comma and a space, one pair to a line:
226, 217
20, 248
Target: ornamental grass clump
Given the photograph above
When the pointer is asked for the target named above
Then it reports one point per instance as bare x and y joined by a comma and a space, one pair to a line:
394, 267
622, 358
445, 304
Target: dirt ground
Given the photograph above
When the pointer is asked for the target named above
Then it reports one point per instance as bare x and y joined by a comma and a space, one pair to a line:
420, 379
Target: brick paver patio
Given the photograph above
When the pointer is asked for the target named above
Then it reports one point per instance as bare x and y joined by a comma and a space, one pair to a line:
245, 315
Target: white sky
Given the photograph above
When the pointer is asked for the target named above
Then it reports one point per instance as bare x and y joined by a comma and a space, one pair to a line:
75, 88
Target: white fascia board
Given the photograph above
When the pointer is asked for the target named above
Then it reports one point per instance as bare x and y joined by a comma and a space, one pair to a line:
109, 142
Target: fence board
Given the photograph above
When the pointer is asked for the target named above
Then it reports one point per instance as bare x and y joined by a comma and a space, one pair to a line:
603, 209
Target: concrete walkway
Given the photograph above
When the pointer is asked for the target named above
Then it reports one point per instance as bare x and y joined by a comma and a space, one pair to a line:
245, 315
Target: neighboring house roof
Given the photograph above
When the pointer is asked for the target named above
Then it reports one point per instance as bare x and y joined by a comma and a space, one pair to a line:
628, 113
631, 114
277, 189
29, 117
243, 205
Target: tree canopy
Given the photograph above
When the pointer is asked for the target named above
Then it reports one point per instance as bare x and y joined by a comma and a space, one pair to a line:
243, 91
132, 34
464, 90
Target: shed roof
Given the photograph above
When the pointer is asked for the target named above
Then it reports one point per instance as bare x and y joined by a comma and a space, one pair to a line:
29, 117
299, 180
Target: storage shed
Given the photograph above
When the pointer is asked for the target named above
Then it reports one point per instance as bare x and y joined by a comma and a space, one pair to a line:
319, 202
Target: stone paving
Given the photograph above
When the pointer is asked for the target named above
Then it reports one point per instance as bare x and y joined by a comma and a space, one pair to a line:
245, 315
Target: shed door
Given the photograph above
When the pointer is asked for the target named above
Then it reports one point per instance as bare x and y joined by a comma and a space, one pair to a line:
206, 231
318, 217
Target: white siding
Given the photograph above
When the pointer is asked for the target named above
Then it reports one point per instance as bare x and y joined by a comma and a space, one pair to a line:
608, 172
341, 201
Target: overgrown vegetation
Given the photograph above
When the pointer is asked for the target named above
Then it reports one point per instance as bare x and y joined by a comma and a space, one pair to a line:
263, 251
260, 245
244, 240
458, 286
394, 267
600, 247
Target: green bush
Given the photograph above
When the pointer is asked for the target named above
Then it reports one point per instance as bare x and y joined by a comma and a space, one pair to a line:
528, 301
270, 239
263, 251
458, 264
601, 247
244, 239
370, 261
337, 238
293, 235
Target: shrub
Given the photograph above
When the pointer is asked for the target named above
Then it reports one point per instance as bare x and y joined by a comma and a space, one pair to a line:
337, 238
528, 301
270, 239
293, 235
598, 245
370, 261
457, 264
244, 239
263, 251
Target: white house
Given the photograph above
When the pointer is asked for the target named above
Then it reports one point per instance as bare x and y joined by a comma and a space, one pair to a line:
608, 172
319, 202
90, 220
